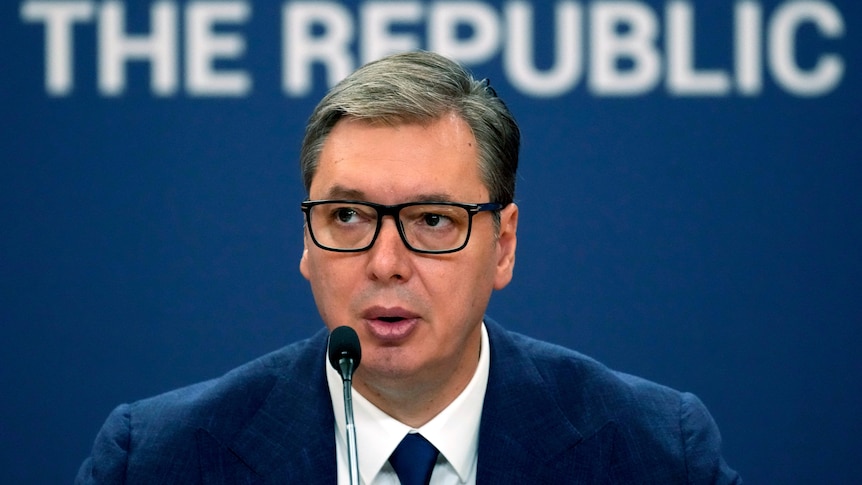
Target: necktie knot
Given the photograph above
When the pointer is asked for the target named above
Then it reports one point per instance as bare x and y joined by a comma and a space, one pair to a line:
413, 460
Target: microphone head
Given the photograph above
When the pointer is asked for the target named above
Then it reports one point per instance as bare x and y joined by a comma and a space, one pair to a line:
344, 343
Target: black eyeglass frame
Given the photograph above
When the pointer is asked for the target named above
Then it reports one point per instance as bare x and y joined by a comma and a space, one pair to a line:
394, 210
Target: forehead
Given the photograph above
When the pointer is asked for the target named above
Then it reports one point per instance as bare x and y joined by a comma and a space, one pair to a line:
390, 163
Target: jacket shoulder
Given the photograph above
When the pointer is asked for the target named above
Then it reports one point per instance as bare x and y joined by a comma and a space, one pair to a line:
157, 438
652, 432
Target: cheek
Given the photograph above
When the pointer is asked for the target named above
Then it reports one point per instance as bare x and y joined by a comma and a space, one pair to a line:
463, 286
318, 273
324, 275
329, 289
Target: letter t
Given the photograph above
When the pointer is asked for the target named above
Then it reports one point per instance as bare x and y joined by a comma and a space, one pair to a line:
58, 18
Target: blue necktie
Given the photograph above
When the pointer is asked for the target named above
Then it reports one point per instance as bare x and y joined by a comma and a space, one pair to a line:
413, 460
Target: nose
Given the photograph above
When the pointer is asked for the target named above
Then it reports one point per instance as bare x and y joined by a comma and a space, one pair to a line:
389, 258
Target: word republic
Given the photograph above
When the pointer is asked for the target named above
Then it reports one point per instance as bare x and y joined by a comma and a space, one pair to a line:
611, 48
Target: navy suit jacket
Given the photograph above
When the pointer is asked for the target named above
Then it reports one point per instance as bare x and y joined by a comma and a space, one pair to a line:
551, 415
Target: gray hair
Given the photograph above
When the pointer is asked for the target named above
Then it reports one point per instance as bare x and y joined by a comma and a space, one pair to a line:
421, 87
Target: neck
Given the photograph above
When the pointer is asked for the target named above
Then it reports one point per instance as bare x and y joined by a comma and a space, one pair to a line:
418, 398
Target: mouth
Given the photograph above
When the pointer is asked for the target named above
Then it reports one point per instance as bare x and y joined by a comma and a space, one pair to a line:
390, 324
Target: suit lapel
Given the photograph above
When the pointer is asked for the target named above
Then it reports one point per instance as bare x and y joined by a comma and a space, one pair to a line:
525, 437
290, 438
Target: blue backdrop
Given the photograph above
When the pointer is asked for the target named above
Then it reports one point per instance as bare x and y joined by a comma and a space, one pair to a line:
689, 193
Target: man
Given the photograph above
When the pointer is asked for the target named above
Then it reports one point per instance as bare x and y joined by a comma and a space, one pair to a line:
409, 165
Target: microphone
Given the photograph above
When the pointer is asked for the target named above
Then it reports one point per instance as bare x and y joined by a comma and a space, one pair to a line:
344, 355
344, 351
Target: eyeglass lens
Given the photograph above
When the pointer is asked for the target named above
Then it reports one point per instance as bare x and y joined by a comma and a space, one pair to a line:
351, 225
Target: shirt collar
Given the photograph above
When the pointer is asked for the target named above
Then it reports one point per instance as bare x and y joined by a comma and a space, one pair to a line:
454, 431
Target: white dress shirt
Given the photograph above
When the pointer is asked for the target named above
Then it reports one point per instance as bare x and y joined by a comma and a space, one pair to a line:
454, 432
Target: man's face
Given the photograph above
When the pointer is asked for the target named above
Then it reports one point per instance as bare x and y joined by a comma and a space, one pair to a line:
417, 315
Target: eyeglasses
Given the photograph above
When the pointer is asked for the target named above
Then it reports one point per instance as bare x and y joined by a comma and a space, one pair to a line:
425, 227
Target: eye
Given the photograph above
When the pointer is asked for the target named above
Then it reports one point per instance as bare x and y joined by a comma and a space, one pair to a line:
433, 220
437, 218
345, 214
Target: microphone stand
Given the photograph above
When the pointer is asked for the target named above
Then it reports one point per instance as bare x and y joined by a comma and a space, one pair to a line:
345, 353
346, 365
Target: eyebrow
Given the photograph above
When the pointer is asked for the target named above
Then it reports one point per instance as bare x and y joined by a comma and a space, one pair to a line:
342, 192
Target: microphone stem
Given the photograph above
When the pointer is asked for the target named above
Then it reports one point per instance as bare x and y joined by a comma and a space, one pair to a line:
352, 456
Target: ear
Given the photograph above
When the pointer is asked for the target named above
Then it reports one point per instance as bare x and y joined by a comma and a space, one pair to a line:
303, 260
506, 242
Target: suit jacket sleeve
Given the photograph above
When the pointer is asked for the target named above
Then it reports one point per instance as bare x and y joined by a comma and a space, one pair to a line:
109, 459
701, 442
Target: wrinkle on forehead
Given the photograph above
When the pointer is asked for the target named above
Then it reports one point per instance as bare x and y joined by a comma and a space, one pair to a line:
341, 192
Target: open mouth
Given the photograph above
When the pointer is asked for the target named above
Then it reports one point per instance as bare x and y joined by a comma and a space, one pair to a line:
391, 319
390, 324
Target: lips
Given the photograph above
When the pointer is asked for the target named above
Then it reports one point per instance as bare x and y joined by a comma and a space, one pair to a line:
390, 324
